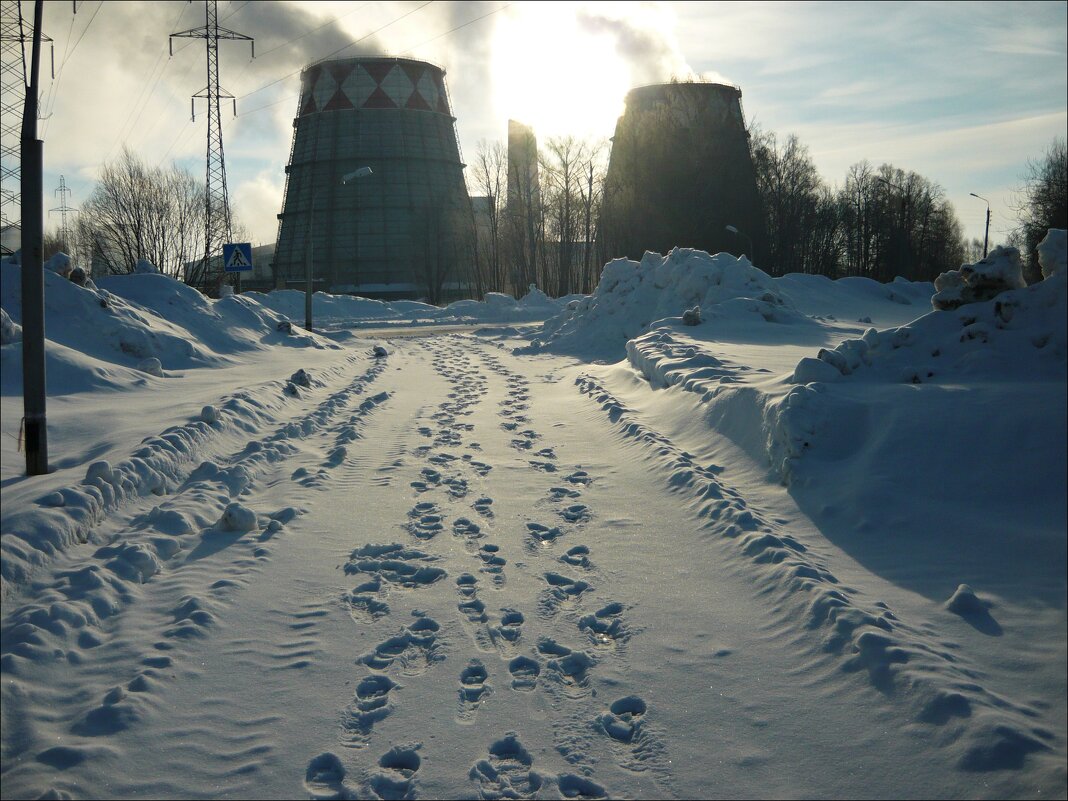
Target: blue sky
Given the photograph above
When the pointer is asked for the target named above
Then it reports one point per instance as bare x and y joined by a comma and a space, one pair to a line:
964, 93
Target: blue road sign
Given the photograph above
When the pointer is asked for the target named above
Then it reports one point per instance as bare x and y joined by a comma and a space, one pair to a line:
237, 257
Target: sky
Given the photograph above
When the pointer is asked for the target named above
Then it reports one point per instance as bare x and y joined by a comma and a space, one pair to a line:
962, 93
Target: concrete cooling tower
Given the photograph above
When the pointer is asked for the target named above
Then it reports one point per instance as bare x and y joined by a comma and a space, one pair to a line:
680, 172
404, 230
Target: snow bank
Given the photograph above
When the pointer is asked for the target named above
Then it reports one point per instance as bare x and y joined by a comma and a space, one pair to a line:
632, 295
107, 337
1053, 252
1001, 270
344, 310
1019, 336
325, 307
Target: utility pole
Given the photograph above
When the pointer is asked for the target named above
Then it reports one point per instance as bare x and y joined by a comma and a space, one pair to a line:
33, 333
217, 223
986, 234
63, 208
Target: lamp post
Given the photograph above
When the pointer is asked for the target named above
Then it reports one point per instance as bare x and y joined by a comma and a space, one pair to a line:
309, 252
748, 238
986, 234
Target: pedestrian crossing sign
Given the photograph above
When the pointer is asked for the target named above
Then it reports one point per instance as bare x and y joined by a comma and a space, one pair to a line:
237, 257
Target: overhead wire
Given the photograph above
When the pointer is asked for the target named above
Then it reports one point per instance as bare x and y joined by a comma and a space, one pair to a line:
143, 99
338, 18
68, 54
339, 50
408, 50
49, 102
458, 27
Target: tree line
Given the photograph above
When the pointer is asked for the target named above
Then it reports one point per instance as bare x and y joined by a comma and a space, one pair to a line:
540, 227
137, 211
545, 228
881, 222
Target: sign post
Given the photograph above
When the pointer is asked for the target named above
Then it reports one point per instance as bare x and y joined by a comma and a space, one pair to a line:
237, 258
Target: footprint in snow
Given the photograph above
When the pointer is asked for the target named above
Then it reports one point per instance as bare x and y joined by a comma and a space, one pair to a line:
561, 493
417, 648
637, 743
492, 562
482, 506
606, 627
579, 556
473, 690
395, 777
324, 778
560, 591
575, 513
371, 704
525, 672
508, 632
507, 772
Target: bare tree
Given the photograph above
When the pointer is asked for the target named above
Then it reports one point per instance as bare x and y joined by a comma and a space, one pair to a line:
140, 212
1043, 205
562, 162
591, 193
490, 177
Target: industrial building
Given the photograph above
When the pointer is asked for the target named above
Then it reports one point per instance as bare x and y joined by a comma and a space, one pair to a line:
680, 172
406, 230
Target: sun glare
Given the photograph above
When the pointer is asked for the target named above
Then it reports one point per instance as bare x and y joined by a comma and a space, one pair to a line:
551, 74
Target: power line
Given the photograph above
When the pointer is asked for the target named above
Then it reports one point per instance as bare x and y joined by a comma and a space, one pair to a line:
346, 47
139, 106
54, 86
409, 50
314, 30
458, 27
216, 197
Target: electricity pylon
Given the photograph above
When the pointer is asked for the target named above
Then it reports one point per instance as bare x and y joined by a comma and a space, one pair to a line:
217, 223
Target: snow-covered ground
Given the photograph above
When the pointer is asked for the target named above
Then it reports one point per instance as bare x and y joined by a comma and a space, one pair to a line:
611, 555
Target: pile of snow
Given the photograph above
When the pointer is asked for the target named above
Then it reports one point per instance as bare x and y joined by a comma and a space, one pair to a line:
1053, 252
1001, 270
130, 327
60, 264
1018, 336
632, 295
326, 308
345, 310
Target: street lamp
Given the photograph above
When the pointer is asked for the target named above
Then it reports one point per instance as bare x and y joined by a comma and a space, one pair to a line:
986, 234
362, 172
749, 239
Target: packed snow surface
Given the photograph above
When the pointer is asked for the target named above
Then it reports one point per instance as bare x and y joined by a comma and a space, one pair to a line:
703, 532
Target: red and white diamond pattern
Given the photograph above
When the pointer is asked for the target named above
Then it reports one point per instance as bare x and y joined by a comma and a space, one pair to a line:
385, 83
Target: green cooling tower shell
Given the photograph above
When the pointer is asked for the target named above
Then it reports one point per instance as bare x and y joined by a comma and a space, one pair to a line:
399, 232
680, 172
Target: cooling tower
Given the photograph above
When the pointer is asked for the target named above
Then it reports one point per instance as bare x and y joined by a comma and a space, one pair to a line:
680, 171
402, 232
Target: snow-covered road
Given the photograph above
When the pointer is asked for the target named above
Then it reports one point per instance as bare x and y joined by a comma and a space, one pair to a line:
457, 572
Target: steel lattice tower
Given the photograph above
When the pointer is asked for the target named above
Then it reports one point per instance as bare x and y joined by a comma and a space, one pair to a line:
12, 94
216, 201
63, 209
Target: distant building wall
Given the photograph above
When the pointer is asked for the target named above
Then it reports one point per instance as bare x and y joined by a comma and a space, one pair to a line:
680, 171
